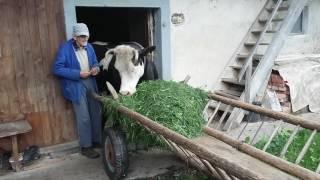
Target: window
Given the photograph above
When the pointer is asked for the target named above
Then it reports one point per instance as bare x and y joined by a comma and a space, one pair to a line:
300, 26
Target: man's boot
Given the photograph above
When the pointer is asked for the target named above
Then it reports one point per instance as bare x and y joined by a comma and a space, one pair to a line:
89, 152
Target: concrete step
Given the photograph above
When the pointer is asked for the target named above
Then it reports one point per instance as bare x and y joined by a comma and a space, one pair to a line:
258, 31
246, 55
229, 93
254, 43
281, 8
262, 21
236, 67
239, 67
233, 81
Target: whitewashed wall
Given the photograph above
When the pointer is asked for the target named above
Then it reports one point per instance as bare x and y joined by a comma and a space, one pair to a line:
308, 43
212, 30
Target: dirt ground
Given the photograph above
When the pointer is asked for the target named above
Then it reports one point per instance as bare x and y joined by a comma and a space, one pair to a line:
73, 166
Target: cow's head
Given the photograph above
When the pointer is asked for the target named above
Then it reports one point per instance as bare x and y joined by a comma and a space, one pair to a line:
130, 64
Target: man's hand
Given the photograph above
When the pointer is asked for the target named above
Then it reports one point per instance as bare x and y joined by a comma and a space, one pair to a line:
94, 71
84, 74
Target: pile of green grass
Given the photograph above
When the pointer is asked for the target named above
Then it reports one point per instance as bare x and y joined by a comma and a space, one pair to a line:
175, 105
311, 158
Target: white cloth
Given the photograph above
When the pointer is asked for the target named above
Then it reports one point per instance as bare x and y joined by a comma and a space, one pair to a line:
303, 75
83, 60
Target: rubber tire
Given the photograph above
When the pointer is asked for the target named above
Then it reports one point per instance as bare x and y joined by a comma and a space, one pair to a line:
114, 153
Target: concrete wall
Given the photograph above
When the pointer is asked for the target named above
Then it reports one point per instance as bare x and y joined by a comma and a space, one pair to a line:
202, 45
308, 43
210, 34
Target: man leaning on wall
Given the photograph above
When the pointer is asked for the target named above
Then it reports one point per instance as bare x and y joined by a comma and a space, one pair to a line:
76, 65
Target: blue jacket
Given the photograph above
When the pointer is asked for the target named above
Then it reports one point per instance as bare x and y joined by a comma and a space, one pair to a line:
67, 68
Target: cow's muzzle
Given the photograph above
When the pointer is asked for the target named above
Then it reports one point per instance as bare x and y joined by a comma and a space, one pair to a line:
126, 93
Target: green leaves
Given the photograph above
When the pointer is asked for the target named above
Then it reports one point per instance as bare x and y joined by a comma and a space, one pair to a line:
311, 158
174, 105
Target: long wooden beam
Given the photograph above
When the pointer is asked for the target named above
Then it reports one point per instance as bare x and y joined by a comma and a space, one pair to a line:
220, 162
267, 112
263, 156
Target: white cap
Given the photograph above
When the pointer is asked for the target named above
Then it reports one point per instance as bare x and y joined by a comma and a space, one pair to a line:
80, 29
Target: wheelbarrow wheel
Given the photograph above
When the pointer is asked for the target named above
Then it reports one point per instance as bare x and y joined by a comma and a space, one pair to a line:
114, 153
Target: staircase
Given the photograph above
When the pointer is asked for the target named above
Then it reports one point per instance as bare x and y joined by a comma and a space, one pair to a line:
248, 70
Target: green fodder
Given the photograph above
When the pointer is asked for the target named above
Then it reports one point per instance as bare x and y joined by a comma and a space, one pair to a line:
312, 157
175, 105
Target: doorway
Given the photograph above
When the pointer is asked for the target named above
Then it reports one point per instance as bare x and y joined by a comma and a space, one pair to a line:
117, 25
146, 22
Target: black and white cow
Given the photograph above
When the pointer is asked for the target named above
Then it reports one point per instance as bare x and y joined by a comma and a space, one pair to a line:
124, 66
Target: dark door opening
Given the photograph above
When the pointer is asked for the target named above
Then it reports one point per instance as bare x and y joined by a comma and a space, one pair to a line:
116, 25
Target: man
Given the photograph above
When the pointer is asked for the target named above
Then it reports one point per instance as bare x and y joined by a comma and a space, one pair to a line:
76, 65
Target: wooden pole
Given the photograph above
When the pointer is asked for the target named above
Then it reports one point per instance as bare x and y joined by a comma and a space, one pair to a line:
305, 147
186, 79
263, 156
202, 152
182, 155
290, 140
15, 153
273, 114
222, 174
214, 114
211, 168
275, 131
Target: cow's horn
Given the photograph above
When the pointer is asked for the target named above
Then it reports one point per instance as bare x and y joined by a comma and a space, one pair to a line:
112, 91
110, 52
107, 59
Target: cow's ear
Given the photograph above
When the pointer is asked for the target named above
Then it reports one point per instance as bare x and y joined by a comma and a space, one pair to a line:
135, 57
144, 51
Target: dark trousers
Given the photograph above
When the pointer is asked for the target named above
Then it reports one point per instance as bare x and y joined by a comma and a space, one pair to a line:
88, 115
